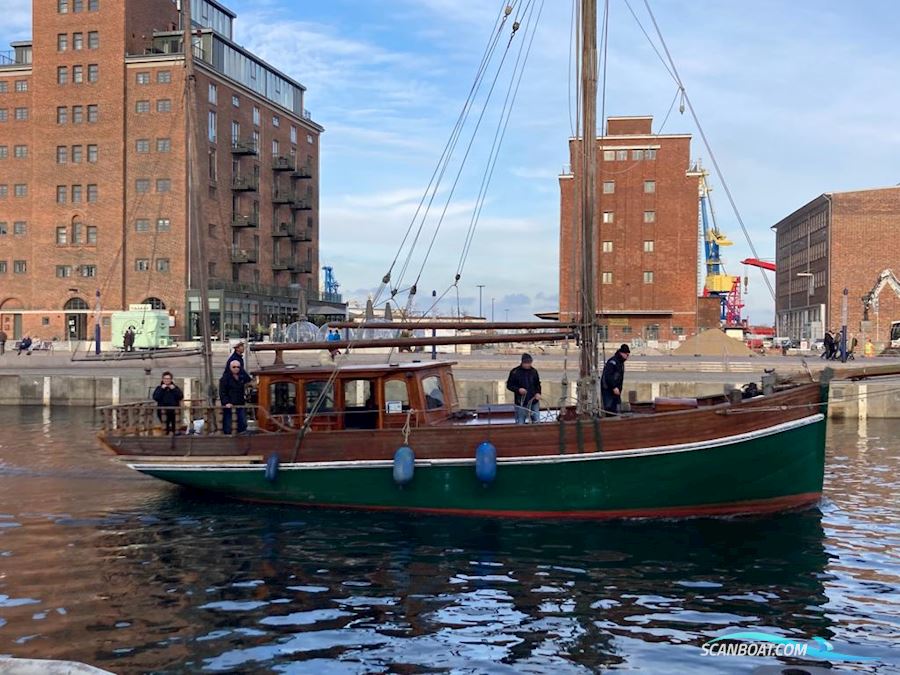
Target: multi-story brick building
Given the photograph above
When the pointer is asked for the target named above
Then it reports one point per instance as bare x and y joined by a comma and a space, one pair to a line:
838, 240
94, 119
646, 233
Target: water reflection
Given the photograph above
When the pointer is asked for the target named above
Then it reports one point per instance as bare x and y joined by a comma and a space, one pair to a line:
104, 566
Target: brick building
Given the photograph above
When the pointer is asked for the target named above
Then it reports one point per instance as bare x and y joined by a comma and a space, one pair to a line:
646, 233
838, 240
94, 173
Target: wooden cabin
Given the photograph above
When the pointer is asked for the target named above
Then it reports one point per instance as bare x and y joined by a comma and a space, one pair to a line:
376, 396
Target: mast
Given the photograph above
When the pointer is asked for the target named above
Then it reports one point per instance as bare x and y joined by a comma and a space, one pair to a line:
197, 272
588, 403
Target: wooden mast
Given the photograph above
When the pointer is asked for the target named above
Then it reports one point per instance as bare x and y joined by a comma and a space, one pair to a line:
588, 403
197, 272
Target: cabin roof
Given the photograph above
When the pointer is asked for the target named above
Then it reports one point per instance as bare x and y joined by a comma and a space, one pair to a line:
376, 368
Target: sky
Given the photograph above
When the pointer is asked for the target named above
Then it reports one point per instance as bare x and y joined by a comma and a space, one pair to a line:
796, 99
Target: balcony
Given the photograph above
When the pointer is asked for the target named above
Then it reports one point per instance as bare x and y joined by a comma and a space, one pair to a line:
301, 234
301, 205
245, 184
283, 164
241, 256
302, 266
302, 172
243, 147
245, 221
279, 264
283, 230
283, 197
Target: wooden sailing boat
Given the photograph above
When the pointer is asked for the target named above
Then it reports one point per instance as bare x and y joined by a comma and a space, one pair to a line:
394, 436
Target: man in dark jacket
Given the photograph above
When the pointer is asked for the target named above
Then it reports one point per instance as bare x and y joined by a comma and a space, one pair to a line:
828, 345
3, 338
525, 383
231, 393
612, 379
237, 355
168, 397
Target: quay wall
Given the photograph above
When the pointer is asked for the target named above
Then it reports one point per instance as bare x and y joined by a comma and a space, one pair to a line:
874, 399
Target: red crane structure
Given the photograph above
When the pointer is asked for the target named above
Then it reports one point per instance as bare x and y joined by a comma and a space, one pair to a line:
756, 262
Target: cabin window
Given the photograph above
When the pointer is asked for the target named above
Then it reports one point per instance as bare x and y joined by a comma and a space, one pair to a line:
315, 390
434, 392
396, 396
283, 398
360, 408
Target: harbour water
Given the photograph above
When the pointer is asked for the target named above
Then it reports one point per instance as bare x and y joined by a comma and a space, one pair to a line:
101, 565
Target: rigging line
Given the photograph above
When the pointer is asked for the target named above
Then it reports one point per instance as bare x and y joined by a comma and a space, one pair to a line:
652, 44
498, 142
709, 149
485, 59
440, 222
451, 148
569, 78
598, 298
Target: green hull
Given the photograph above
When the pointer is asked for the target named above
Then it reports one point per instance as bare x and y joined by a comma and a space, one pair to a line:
772, 469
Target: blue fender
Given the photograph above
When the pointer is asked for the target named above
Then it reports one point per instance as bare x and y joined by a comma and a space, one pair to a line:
486, 462
272, 468
404, 465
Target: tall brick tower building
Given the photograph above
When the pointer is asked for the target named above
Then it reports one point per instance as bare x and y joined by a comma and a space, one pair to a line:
94, 173
646, 233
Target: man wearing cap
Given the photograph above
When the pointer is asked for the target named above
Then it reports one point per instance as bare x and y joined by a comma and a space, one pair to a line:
525, 383
612, 379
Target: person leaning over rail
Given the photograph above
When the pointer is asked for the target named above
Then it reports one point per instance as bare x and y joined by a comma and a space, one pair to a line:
168, 397
525, 383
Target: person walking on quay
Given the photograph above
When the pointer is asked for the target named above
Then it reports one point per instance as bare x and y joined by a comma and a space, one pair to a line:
168, 397
525, 383
612, 379
828, 346
868, 350
128, 339
3, 337
231, 394
24, 345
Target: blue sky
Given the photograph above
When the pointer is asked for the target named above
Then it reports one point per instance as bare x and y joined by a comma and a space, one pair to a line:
796, 98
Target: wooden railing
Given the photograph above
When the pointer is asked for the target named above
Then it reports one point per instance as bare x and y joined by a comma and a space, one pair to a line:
143, 418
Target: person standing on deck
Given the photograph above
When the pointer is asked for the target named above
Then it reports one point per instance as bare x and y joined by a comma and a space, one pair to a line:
168, 397
231, 394
525, 383
237, 355
612, 379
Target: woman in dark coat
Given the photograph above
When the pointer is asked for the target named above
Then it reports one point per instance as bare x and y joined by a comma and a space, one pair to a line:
168, 397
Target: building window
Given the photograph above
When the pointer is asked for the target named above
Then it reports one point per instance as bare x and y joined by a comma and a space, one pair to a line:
212, 126
93, 153
93, 5
77, 114
63, 271
255, 116
142, 145
164, 105
143, 78
142, 265
213, 173
76, 154
93, 113
62, 6
648, 277
609, 187
2, 267
650, 154
162, 264
77, 5
20, 190
609, 217
19, 267
92, 193
62, 75
76, 194
77, 233
275, 148
19, 228
276, 121
649, 186
93, 72
142, 225
21, 114
677, 330
649, 216
21, 85
309, 139
62, 42
211, 269
61, 194
4, 114
2, 229
92, 235
648, 246
163, 224
609, 155
77, 41
213, 93
142, 185
637, 154
4, 191
77, 74
621, 155
294, 135
607, 246
142, 106
163, 185
62, 236
4, 151
235, 132
88, 270
606, 278
255, 139
62, 154
163, 144
93, 40
163, 76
